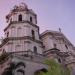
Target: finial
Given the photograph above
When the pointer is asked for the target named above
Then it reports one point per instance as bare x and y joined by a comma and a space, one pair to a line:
59, 29
22, 4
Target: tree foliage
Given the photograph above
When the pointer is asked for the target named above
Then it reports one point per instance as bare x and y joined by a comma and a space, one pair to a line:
55, 69
3, 56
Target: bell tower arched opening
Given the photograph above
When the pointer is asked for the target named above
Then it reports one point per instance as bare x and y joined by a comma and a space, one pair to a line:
20, 17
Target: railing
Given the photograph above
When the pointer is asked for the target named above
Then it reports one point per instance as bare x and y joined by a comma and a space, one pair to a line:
28, 55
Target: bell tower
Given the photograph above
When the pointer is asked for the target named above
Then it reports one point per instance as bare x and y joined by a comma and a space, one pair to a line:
22, 30
22, 22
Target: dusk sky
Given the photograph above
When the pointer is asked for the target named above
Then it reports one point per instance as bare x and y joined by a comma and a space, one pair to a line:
52, 15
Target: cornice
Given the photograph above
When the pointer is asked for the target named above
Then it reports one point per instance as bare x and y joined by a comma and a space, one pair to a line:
30, 56
19, 38
16, 22
24, 10
54, 33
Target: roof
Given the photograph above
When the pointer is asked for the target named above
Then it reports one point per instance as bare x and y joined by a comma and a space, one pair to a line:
20, 7
51, 32
55, 34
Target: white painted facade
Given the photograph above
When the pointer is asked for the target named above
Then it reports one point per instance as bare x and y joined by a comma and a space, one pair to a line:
20, 32
52, 38
21, 37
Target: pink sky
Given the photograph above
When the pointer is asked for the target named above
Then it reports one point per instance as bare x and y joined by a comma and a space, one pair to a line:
52, 14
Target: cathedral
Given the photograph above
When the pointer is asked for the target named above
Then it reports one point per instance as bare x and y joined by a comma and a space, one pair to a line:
25, 48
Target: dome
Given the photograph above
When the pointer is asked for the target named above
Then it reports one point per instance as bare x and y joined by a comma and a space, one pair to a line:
21, 6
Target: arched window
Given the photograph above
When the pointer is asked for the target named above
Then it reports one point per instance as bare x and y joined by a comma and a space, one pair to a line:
33, 34
7, 34
19, 32
59, 60
20, 17
66, 46
35, 49
55, 45
13, 31
20, 64
30, 19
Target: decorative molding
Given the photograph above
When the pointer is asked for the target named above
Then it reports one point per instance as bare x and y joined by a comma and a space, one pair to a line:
9, 43
19, 28
16, 22
18, 45
18, 38
27, 26
27, 42
12, 26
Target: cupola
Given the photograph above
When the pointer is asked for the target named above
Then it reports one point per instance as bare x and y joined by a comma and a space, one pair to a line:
21, 13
